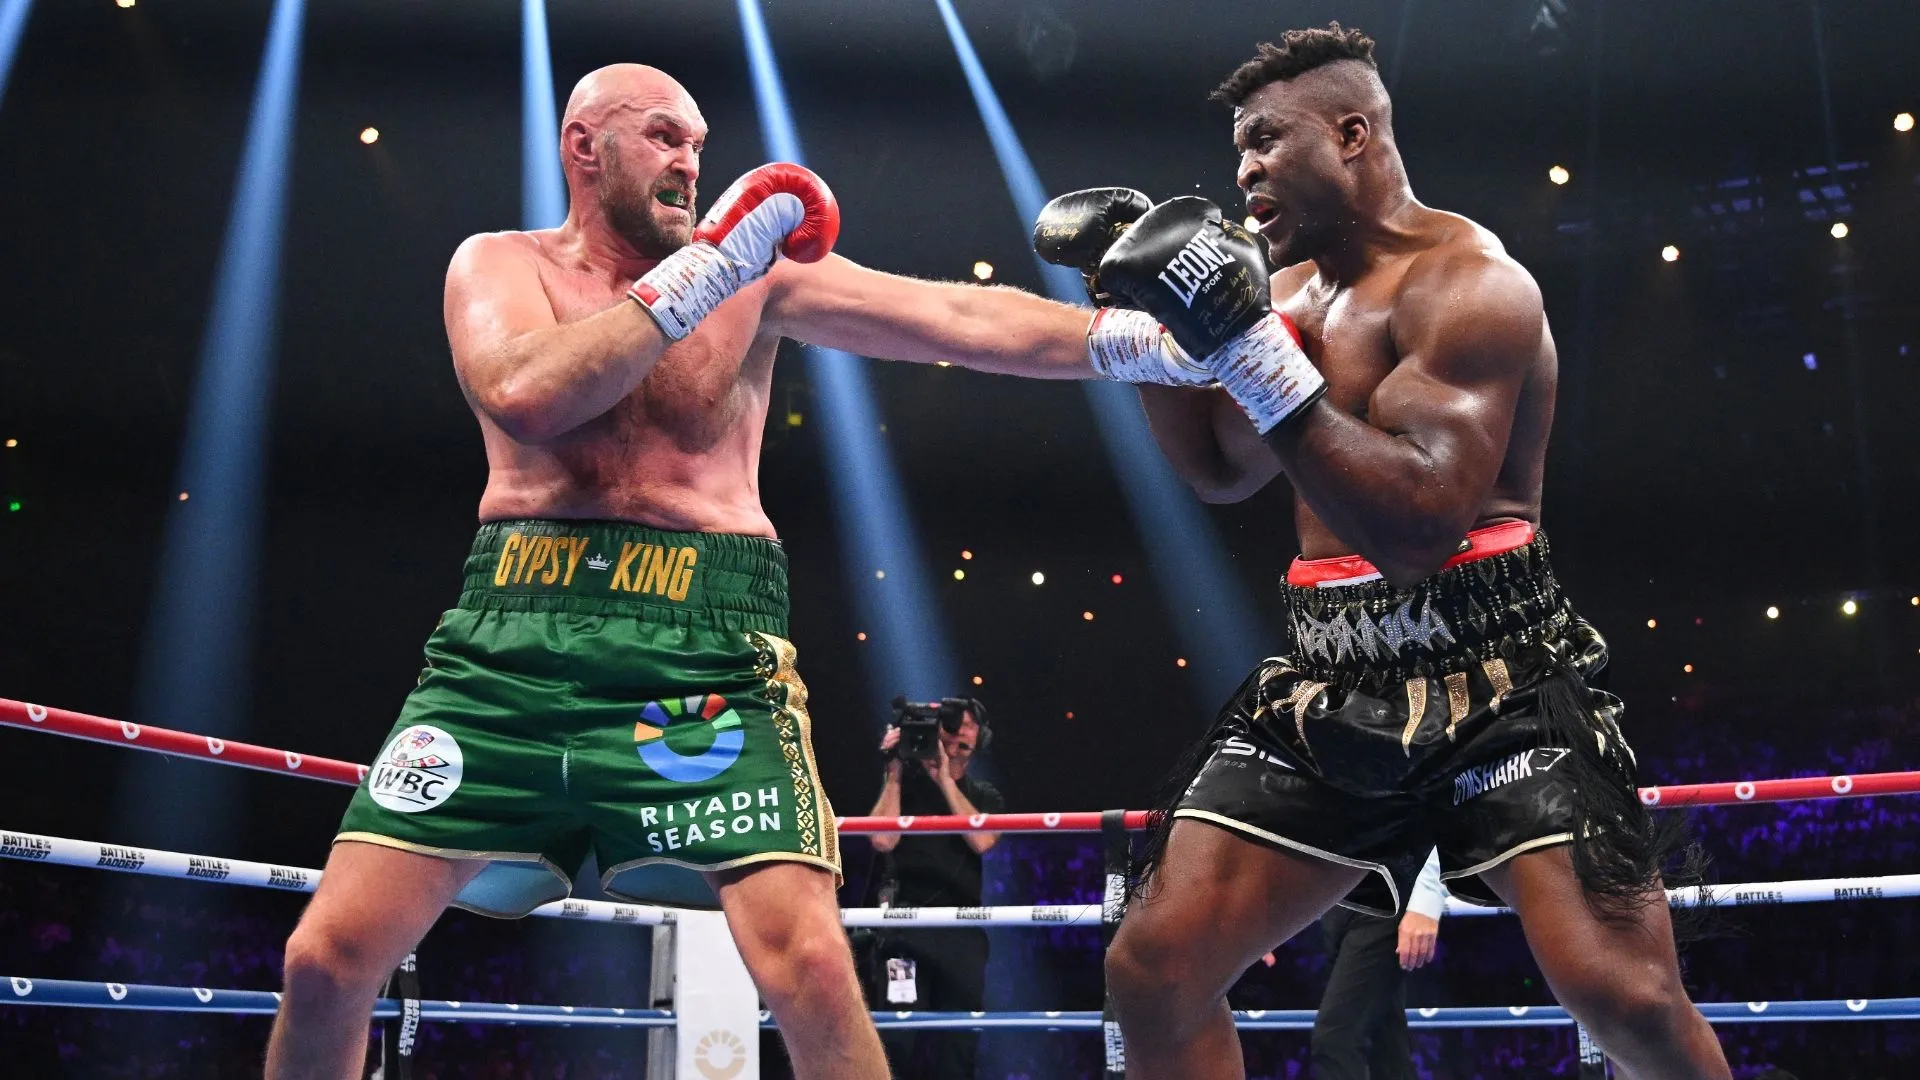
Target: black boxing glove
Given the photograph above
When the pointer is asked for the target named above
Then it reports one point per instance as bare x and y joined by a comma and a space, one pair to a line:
1076, 229
1205, 279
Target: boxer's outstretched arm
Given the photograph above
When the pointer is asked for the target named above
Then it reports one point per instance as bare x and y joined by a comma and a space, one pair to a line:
535, 377
842, 305
1406, 484
1208, 441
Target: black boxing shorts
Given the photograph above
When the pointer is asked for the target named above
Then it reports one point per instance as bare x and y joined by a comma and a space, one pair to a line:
1456, 713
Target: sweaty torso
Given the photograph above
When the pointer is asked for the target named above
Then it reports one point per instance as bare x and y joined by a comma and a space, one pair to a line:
1348, 332
681, 452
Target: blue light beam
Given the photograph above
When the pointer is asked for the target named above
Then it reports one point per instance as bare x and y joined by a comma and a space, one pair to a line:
898, 611
1218, 627
13, 23
543, 189
197, 656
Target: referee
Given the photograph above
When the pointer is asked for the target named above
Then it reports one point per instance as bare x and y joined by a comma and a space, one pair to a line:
1360, 1032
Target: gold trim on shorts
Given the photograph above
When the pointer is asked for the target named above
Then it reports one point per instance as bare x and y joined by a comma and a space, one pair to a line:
1500, 678
1223, 821
1516, 850
790, 706
1459, 704
1416, 712
607, 876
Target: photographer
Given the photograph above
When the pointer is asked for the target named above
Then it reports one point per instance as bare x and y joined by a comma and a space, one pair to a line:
928, 750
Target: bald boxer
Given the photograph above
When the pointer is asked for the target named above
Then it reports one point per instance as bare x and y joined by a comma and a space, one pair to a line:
1438, 686
615, 678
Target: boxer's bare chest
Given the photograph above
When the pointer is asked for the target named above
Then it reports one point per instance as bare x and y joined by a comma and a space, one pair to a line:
700, 392
1347, 332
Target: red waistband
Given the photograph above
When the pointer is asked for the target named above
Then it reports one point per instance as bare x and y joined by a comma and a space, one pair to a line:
1352, 569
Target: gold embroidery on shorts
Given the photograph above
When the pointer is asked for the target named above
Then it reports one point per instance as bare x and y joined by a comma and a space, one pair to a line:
1266, 677
777, 664
503, 573
1302, 697
1416, 711
1457, 702
1501, 679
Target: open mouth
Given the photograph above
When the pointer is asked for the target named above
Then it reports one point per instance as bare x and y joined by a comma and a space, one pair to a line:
675, 198
1262, 210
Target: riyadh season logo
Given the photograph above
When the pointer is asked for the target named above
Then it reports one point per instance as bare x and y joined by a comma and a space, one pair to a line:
419, 770
709, 711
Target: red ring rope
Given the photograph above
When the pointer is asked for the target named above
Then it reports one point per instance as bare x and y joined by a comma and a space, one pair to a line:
185, 744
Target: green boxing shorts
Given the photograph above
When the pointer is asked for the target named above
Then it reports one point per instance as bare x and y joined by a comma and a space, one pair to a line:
610, 689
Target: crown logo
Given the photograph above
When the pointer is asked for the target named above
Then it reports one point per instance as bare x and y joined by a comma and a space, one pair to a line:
599, 562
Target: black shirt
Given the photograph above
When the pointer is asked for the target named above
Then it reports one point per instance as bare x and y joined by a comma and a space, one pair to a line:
940, 870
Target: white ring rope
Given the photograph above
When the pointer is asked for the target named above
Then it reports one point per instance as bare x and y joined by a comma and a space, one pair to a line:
32, 847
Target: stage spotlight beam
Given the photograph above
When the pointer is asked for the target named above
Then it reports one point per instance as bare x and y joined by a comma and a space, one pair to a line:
543, 189
13, 23
1207, 601
195, 670
893, 594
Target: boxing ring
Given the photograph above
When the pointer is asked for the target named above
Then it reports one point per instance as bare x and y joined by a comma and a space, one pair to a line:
709, 1032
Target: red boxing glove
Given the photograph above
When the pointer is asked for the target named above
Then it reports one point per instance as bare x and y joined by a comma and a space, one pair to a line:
778, 209
807, 226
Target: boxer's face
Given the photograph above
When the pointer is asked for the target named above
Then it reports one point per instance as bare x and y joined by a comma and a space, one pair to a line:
1291, 171
650, 163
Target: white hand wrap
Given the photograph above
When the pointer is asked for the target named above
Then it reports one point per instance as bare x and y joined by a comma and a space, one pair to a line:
686, 287
1132, 347
1268, 373
691, 282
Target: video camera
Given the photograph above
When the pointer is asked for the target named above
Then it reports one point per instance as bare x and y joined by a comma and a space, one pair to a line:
921, 724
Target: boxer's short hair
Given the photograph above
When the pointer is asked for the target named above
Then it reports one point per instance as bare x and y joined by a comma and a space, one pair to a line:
1298, 52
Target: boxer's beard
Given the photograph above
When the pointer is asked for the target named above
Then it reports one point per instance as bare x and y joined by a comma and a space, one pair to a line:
633, 211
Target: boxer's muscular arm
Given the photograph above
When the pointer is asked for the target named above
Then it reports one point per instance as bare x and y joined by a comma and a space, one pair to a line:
535, 377
1208, 441
1404, 486
842, 305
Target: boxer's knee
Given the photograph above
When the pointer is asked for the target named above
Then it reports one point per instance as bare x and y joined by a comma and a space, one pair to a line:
1155, 984
1626, 1005
326, 967
806, 968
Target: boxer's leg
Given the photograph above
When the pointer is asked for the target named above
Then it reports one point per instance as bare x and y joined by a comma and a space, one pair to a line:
1218, 902
1621, 978
373, 906
785, 920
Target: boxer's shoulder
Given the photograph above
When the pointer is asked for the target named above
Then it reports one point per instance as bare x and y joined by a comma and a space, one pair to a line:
488, 261
1465, 275
1462, 254
481, 249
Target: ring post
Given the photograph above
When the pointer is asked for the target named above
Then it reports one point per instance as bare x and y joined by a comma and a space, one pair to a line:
1593, 1062
399, 1038
1118, 849
661, 1050
715, 1005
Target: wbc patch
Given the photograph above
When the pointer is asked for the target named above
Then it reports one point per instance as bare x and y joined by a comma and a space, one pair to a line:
418, 770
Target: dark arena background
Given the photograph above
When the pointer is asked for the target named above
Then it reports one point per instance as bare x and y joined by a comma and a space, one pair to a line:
239, 477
